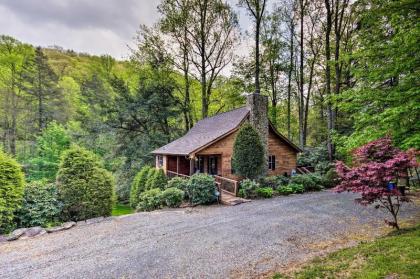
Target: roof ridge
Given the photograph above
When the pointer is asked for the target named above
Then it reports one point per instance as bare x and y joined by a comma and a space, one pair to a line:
220, 113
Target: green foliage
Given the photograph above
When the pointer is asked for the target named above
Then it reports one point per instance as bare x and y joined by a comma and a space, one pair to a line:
264, 192
158, 180
201, 189
179, 183
149, 178
11, 191
138, 186
249, 188
297, 188
387, 69
248, 153
330, 179
316, 157
150, 200
41, 206
172, 197
50, 145
269, 181
121, 209
311, 182
285, 190
274, 181
84, 187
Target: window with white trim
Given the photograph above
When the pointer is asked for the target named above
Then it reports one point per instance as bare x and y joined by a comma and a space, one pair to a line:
159, 159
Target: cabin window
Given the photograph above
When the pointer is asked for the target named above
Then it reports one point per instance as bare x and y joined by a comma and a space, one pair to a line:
271, 162
159, 161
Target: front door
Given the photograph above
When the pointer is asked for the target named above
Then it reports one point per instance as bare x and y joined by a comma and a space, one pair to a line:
212, 165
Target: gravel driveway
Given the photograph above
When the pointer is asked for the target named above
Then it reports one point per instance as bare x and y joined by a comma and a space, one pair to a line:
203, 242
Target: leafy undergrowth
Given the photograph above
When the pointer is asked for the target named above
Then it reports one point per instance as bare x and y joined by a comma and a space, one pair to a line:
121, 209
394, 256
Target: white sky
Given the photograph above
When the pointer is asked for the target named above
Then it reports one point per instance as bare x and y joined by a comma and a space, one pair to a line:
92, 26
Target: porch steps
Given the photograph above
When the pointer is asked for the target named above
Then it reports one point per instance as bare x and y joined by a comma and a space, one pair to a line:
229, 199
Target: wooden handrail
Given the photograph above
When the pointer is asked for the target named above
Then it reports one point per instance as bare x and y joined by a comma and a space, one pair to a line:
177, 174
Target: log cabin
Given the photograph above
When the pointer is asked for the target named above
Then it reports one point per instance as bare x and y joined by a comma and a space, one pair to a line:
208, 146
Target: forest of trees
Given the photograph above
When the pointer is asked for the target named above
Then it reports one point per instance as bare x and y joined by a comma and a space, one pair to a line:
338, 74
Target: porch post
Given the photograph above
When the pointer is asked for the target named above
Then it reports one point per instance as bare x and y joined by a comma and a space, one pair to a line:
191, 165
177, 165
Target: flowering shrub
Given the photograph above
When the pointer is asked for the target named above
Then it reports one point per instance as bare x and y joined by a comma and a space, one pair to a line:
376, 164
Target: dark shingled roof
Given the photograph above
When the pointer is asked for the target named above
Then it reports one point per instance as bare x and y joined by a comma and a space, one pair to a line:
204, 132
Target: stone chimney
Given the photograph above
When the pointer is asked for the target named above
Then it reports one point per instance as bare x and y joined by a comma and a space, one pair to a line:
258, 118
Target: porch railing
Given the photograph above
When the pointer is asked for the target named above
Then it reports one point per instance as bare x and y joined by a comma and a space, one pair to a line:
171, 174
223, 184
227, 184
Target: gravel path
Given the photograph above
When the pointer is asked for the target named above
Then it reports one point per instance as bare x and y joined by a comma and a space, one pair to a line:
205, 242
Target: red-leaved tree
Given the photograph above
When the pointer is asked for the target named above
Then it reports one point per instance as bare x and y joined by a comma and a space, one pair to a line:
375, 165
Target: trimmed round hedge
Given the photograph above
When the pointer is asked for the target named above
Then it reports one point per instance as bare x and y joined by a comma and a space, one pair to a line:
201, 189
172, 197
84, 187
11, 191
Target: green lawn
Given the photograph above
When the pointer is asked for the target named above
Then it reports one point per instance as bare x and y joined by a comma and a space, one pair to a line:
397, 255
121, 209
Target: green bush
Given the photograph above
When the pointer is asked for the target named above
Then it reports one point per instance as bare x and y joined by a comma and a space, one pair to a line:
282, 180
297, 188
285, 190
330, 179
138, 186
150, 200
158, 180
179, 183
149, 179
11, 191
172, 197
269, 181
249, 188
248, 153
201, 189
84, 187
265, 192
41, 206
311, 182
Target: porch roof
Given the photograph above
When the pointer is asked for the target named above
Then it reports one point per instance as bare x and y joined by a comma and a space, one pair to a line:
204, 132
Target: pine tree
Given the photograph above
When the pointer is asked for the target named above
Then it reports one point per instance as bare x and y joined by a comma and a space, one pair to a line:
40, 82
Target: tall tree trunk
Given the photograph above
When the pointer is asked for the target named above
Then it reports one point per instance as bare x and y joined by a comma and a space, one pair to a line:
13, 128
289, 82
257, 54
185, 66
273, 94
330, 117
204, 101
301, 94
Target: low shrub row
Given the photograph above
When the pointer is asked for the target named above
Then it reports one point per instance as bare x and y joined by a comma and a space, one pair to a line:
147, 178
282, 185
151, 190
156, 198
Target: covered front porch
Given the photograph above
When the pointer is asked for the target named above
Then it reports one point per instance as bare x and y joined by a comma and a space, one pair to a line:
184, 166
